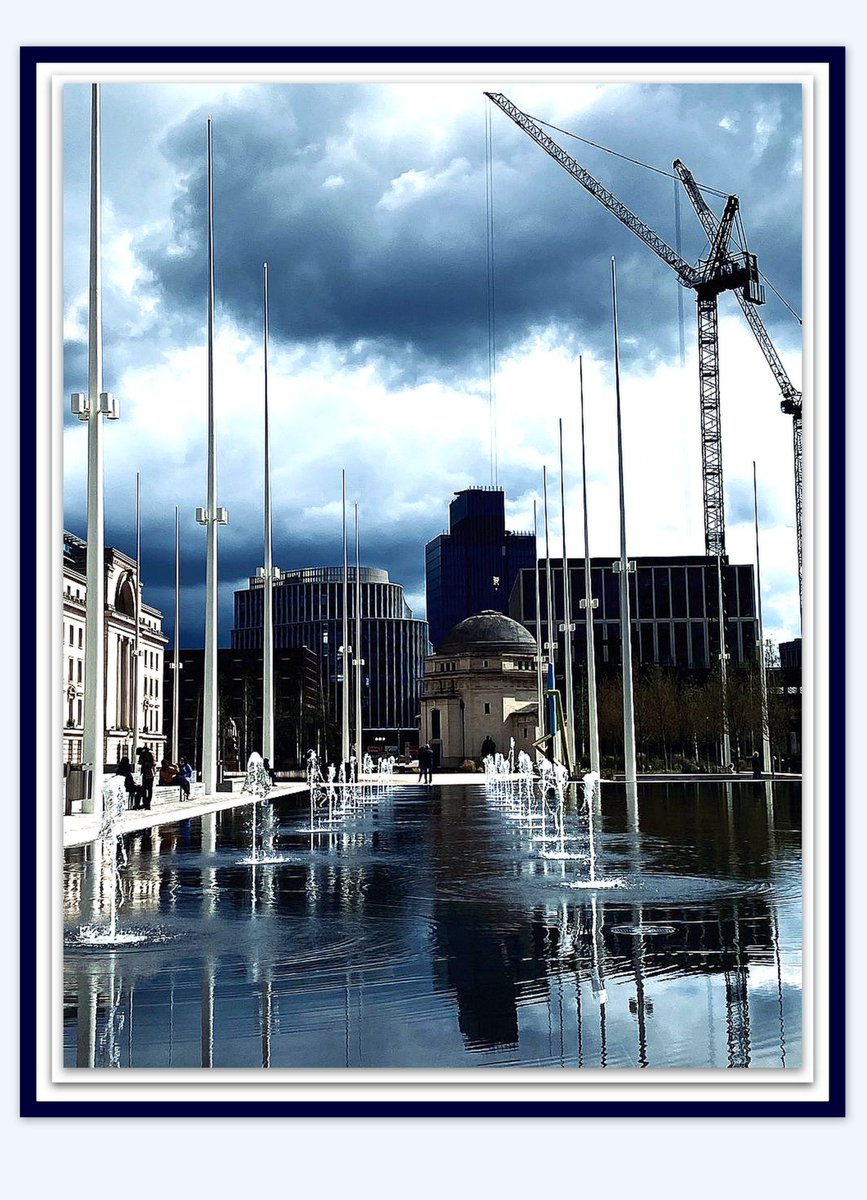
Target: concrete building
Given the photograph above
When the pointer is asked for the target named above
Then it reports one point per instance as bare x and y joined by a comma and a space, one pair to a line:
481, 683
121, 581
308, 611
473, 567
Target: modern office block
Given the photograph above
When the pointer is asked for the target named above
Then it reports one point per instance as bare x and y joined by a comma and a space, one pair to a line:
473, 567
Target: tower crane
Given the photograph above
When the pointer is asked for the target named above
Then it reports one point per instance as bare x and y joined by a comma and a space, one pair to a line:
723, 270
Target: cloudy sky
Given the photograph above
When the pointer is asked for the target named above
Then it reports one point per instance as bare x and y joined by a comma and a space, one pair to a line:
368, 201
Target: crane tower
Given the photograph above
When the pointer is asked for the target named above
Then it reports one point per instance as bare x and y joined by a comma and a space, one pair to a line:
724, 269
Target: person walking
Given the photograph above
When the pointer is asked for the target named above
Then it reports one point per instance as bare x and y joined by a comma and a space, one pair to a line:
425, 764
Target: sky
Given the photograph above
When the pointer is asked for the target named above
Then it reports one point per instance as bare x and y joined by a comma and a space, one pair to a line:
369, 204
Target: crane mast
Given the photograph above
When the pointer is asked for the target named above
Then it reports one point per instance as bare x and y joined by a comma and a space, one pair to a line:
791, 402
721, 271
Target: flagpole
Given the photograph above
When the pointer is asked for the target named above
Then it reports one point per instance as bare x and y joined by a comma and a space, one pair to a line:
567, 625
588, 603
358, 661
344, 649
267, 602
211, 517
176, 658
623, 566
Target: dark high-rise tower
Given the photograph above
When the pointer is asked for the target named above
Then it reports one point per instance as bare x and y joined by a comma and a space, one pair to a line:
473, 566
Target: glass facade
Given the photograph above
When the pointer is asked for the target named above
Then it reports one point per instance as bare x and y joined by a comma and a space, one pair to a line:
474, 566
674, 610
308, 611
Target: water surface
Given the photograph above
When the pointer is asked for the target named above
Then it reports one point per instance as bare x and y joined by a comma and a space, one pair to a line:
429, 932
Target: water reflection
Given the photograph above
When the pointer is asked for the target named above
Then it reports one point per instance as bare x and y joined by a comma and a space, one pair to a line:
430, 932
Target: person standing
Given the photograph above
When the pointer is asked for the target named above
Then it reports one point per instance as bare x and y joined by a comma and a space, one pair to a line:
148, 770
425, 764
489, 747
757, 765
124, 769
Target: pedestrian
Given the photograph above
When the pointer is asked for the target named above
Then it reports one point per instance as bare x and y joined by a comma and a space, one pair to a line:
425, 764
124, 768
184, 778
489, 747
757, 765
148, 769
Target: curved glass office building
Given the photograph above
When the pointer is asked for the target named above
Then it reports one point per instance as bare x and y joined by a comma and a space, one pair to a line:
308, 611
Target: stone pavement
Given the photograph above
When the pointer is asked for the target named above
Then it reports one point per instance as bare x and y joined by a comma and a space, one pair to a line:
81, 828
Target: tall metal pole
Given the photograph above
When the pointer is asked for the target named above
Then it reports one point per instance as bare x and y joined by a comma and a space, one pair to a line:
551, 643
567, 625
94, 667
723, 668
136, 669
268, 611
625, 634
344, 649
210, 517
763, 677
358, 661
540, 688
176, 659
588, 603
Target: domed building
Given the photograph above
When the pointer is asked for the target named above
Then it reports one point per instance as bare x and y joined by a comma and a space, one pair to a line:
480, 685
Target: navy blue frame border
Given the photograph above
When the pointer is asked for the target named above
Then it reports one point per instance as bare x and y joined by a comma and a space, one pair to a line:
834, 57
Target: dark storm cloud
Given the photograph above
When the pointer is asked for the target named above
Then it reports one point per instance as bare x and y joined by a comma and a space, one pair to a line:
401, 266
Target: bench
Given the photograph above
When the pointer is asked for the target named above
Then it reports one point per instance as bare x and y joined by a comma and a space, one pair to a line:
170, 793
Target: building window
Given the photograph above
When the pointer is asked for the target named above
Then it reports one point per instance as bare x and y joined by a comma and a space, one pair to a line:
80, 637
435, 724
79, 670
487, 710
484, 662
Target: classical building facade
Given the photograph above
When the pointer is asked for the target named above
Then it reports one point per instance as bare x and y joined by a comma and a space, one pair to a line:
480, 684
473, 567
308, 612
121, 706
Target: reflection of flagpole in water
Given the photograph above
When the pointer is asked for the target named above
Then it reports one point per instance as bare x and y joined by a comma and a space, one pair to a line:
207, 1012
775, 938
267, 1005
85, 1043
208, 823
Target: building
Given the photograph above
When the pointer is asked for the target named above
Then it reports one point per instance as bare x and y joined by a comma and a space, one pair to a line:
481, 683
473, 567
308, 612
121, 581
674, 610
298, 705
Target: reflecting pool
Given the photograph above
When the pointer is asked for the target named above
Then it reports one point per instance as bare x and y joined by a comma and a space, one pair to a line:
428, 930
